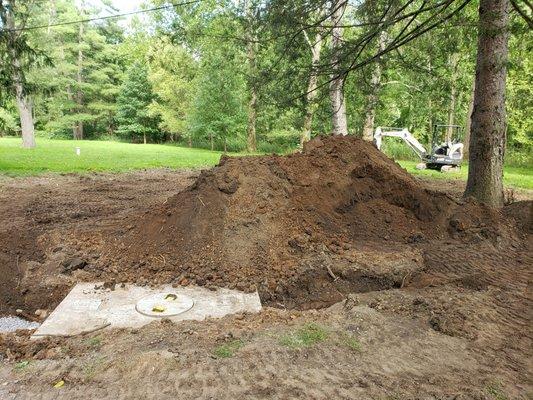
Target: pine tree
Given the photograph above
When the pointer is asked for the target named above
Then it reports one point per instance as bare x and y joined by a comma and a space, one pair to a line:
78, 99
489, 122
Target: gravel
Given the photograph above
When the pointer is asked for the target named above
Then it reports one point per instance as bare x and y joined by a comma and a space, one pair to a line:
11, 324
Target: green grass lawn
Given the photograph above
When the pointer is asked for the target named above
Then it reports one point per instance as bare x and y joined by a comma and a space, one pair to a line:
519, 177
60, 156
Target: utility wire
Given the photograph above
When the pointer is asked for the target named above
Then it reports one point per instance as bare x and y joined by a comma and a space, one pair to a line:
167, 6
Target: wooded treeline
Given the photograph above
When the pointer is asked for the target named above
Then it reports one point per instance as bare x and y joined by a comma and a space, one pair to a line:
251, 75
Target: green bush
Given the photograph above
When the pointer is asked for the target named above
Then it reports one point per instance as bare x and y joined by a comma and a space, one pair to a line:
54, 134
8, 123
519, 157
233, 144
279, 141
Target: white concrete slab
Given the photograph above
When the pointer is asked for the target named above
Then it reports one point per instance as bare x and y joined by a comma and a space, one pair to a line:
88, 308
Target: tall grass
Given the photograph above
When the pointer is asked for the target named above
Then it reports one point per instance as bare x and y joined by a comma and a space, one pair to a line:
397, 149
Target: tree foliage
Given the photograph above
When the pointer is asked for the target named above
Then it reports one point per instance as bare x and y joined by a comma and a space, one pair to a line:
135, 120
187, 66
172, 71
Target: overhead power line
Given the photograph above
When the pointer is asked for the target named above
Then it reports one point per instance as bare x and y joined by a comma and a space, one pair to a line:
167, 6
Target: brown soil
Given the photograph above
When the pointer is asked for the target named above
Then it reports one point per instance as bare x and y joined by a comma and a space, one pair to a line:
44, 221
287, 225
434, 288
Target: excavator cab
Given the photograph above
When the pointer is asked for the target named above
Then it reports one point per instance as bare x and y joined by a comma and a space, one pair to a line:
447, 148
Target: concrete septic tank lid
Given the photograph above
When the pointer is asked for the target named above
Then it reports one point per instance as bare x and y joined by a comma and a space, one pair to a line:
164, 304
89, 307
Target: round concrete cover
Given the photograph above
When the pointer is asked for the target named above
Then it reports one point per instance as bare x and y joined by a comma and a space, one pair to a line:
164, 304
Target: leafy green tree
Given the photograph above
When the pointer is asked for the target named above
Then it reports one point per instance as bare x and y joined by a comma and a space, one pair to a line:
171, 71
17, 56
133, 114
519, 99
219, 69
219, 113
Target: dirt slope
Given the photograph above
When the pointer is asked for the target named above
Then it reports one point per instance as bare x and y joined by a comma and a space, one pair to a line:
47, 221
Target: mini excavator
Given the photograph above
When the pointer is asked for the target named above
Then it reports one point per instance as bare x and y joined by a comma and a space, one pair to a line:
446, 151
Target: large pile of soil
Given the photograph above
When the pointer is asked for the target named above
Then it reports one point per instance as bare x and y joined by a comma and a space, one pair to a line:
437, 290
302, 229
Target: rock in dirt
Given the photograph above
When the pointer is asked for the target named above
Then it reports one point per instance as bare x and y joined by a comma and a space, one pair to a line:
73, 264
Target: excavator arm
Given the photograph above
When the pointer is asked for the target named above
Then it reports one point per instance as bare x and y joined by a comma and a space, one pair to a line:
403, 133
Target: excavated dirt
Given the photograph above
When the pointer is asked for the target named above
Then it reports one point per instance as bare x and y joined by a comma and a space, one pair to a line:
46, 221
435, 290
304, 230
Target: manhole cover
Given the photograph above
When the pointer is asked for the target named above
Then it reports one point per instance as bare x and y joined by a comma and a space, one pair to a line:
164, 304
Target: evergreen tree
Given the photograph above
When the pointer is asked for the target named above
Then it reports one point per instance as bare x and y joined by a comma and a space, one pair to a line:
78, 93
212, 64
133, 114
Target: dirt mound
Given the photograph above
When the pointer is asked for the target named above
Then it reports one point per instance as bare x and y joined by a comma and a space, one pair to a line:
285, 224
522, 213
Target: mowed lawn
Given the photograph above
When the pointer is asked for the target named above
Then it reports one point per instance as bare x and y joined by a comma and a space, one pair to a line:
60, 156
520, 177
98, 156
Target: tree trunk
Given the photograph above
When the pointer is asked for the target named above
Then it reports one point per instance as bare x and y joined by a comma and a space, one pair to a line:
252, 74
454, 66
311, 105
373, 96
78, 130
51, 15
451, 113
144, 137
78, 125
26, 119
212, 141
430, 124
487, 139
23, 102
252, 117
336, 89
68, 88
431, 114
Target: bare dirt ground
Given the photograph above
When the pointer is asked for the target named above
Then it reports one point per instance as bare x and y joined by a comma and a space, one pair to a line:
41, 216
403, 313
